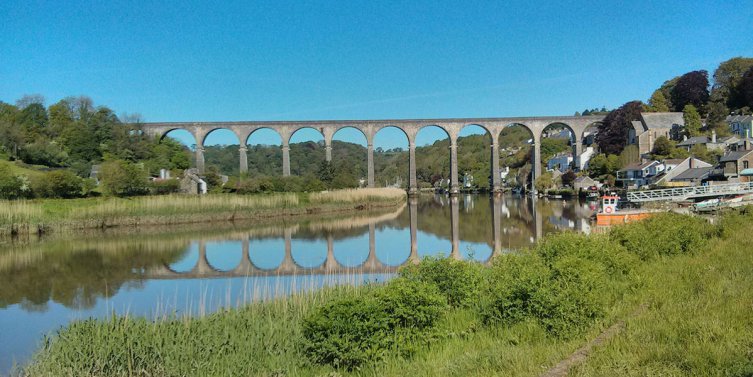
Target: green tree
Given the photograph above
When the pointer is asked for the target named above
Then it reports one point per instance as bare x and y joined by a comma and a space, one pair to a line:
662, 147
727, 79
121, 178
59, 184
544, 182
657, 102
692, 120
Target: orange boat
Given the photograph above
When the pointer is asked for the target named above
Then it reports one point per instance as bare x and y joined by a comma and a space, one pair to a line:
610, 215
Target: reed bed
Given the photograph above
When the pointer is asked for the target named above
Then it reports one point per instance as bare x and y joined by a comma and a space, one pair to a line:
41, 216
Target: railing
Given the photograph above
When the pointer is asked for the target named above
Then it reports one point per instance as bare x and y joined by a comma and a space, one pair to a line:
683, 193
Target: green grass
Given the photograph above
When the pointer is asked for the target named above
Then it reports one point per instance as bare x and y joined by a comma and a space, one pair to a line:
697, 321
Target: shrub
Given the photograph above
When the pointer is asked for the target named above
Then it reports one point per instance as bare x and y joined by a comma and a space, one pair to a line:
11, 186
596, 247
121, 178
663, 234
165, 186
459, 281
359, 328
564, 295
58, 184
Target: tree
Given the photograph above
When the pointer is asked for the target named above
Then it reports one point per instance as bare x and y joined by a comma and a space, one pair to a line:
662, 146
691, 88
613, 132
727, 78
121, 178
745, 88
657, 102
568, 178
692, 120
544, 182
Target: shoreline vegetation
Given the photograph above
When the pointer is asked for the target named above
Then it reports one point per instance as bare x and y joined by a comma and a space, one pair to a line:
37, 217
521, 314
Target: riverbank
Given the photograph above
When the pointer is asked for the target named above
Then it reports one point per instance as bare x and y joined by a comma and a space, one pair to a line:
519, 316
25, 217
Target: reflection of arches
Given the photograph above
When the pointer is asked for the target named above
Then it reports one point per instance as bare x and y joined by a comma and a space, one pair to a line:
224, 256
267, 254
351, 251
308, 253
188, 261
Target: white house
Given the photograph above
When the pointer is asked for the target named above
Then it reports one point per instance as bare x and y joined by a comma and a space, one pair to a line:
638, 175
585, 157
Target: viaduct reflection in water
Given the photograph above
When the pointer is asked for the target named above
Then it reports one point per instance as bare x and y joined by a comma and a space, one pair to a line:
494, 225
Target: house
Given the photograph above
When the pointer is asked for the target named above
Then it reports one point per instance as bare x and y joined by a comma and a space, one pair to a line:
731, 166
560, 162
675, 167
639, 174
741, 125
652, 126
192, 183
692, 176
585, 157
583, 182
710, 143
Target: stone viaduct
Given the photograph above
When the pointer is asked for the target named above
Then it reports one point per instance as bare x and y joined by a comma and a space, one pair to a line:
369, 128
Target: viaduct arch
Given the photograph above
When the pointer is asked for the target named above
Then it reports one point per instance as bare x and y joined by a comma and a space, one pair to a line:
578, 124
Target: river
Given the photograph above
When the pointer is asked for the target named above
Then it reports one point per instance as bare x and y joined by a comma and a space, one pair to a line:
196, 269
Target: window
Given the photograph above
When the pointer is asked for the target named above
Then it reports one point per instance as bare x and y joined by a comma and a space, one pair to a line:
745, 164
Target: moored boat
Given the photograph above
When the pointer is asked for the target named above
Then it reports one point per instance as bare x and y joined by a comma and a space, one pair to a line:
610, 214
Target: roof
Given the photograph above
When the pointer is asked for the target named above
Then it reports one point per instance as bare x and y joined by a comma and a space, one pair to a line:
694, 140
662, 120
583, 178
692, 174
733, 156
638, 126
638, 166
674, 161
739, 118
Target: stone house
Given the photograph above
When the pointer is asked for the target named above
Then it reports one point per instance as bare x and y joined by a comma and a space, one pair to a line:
732, 165
652, 126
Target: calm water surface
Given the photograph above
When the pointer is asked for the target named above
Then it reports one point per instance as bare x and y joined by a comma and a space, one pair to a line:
193, 270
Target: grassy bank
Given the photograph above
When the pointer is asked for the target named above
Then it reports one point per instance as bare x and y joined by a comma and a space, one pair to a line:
518, 316
40, 216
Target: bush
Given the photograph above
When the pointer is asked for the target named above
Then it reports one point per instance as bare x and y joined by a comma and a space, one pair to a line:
59, 184
358, 328
459, 281
663, 234
596, 247
11, 186
121, 178
165, 186
564, 294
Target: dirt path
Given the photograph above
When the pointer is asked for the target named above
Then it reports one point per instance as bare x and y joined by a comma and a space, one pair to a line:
563, 367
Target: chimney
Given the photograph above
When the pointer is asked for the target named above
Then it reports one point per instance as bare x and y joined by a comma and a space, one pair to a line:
713, 136
690, 163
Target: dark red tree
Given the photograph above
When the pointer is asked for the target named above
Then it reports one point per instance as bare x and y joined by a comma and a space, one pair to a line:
613, 132
692, 88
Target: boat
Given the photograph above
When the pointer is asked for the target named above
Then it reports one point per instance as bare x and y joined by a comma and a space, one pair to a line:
716, 204
610, 214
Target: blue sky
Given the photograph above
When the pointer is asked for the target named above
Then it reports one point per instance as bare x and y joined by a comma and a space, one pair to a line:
298, 60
